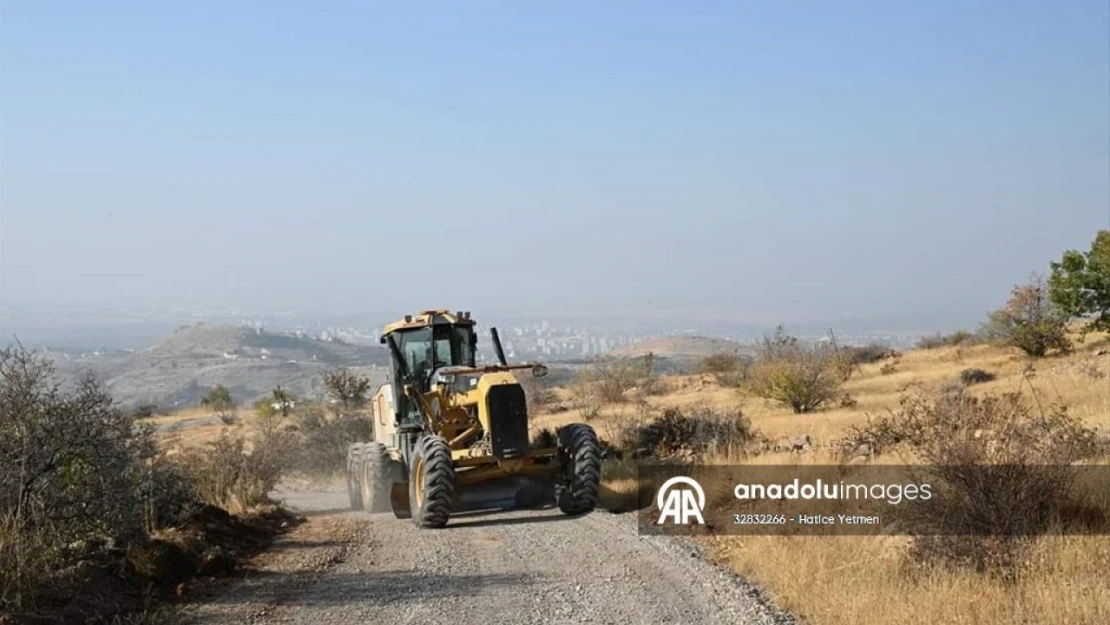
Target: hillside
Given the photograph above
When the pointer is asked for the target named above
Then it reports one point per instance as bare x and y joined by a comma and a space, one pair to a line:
870, 585
681, 347
179, 370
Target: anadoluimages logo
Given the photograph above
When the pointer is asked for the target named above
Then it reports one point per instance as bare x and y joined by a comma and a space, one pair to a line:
676, 501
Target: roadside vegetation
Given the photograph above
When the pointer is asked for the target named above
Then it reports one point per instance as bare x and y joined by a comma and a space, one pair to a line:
92, 497
1029, 390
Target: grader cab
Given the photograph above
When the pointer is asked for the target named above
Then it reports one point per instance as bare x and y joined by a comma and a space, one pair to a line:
450, 435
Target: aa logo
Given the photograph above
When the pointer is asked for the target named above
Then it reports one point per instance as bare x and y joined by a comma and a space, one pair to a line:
677, 501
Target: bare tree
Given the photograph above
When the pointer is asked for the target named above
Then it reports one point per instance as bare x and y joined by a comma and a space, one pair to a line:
347, 387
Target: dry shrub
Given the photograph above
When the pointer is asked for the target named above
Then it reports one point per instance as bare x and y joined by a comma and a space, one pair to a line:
868, 354
699, 432
730, 369
604, 382
960, 337
144, 411
1093, 371
889, 368
83, 487
235, 474
975, 376
620, 484
168, 494
538, 394
1002, 474
589, 407
721, 362
72, 472
649, 383
801, 376
30, 557
324, 438
543, 438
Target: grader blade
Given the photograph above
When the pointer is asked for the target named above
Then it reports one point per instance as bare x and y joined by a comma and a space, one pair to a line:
504, 493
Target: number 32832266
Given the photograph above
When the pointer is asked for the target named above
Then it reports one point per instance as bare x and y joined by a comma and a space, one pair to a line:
758, 519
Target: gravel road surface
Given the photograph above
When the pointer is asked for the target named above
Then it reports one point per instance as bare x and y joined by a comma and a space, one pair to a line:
511, 568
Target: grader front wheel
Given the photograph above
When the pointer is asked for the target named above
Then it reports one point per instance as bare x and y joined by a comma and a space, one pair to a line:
580, 452
431, 482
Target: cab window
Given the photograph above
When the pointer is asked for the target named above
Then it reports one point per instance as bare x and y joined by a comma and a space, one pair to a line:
464, 337
416, 347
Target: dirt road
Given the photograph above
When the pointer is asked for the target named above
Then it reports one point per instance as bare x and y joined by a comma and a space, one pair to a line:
520, 567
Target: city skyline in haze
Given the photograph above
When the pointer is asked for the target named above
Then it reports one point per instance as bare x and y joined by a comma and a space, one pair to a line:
904, 164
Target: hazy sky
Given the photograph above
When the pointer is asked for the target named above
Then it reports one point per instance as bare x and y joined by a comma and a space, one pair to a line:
775, 160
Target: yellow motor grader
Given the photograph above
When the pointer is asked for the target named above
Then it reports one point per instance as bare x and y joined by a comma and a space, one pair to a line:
451, 436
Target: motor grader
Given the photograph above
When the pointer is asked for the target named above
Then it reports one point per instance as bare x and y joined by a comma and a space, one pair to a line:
452, 436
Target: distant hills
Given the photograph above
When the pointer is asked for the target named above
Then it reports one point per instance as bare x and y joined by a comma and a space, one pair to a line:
182, 368
682, 347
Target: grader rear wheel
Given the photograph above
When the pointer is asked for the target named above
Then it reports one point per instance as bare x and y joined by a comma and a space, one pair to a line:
377, 477
354, 475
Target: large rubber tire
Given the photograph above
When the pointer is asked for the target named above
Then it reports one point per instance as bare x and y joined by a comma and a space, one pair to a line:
377, 477
354, 475
431, 482
580, 454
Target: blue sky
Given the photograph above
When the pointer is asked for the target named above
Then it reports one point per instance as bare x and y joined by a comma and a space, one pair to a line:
773, 161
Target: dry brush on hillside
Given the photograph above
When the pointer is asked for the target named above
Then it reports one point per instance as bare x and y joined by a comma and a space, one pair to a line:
87, 500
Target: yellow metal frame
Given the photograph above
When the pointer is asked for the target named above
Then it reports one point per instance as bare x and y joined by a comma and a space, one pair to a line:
418, 481
425, 318
474, 470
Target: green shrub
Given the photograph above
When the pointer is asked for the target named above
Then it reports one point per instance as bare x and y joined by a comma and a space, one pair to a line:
801, 376
264, 408
1029, 321
1080, 284
218, 399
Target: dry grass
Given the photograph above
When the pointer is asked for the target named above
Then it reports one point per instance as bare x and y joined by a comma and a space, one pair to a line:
855, 580
1072, 380
619, 487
